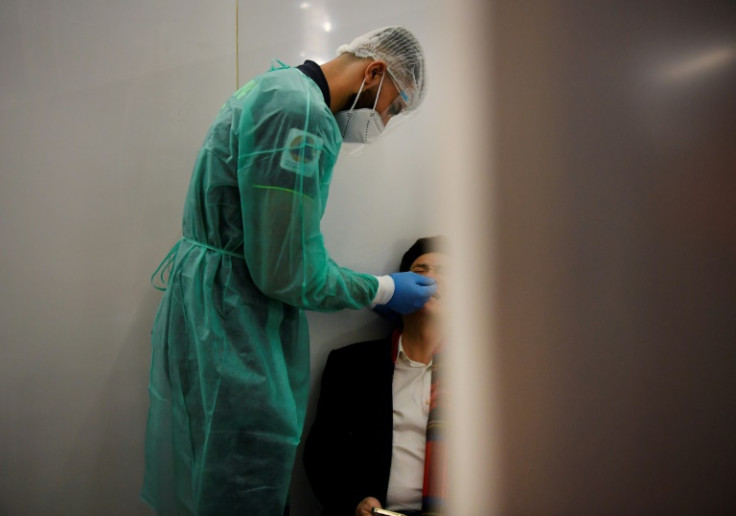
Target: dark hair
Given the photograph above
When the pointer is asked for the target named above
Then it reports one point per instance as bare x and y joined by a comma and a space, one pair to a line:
433, 244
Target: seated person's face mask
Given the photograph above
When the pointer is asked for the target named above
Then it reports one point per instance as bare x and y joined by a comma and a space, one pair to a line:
362, 125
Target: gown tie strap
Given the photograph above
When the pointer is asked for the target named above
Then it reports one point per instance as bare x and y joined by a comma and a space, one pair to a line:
160, 277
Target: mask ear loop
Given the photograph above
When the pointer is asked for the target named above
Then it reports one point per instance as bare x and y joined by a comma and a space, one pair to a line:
360, 90
378, 95
374, 114
350, 111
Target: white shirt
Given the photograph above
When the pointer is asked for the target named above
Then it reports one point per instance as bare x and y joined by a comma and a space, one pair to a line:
411, 390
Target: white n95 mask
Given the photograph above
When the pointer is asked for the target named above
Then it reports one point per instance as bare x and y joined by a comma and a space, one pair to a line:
361, 125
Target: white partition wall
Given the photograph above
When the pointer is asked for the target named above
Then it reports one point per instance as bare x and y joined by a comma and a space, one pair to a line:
103, 106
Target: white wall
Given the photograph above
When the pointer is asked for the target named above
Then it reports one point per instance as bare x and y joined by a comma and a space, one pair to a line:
103, 107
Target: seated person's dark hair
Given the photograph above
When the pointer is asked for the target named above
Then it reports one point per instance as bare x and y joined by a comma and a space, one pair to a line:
434, 244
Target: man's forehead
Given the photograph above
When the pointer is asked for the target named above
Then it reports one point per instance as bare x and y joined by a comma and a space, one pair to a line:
429, 258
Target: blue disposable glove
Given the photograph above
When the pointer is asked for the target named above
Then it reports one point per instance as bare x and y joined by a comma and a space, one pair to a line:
411, 292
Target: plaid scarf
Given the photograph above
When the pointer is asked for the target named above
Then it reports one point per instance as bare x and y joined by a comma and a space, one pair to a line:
433, 491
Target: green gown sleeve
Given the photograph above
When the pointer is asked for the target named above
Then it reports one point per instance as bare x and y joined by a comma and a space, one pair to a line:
288, 145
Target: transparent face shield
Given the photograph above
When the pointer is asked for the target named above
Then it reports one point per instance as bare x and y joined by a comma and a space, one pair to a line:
397, 107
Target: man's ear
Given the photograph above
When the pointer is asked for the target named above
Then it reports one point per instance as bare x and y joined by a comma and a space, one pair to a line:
374, 71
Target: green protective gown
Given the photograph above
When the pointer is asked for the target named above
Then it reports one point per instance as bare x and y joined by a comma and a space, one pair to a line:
230, 366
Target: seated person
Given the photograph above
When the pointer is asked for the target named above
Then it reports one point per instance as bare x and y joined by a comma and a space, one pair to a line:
368, 443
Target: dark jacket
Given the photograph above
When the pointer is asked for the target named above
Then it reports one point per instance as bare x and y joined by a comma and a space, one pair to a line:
347, 455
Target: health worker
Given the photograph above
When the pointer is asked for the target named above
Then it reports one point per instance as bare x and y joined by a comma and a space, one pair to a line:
230, 361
